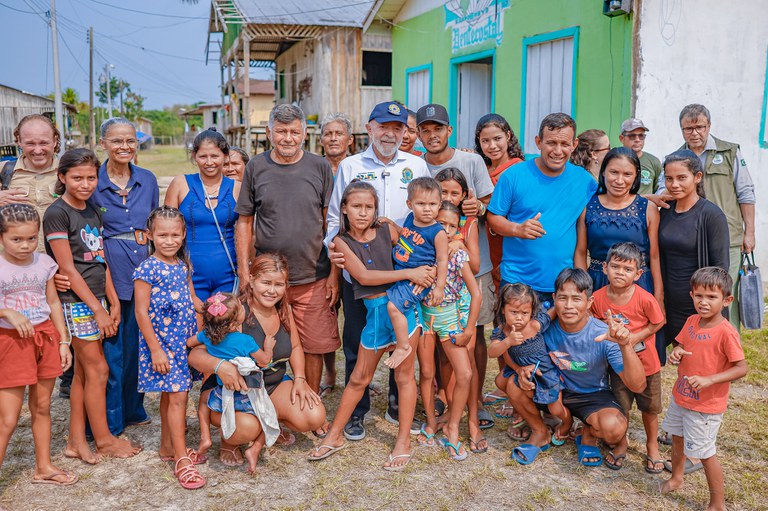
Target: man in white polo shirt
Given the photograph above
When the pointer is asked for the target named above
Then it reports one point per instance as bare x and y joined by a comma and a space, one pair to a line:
389, 171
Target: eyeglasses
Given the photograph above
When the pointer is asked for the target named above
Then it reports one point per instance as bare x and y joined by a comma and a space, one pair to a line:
119, 142
699, 129
635, 136
603, 149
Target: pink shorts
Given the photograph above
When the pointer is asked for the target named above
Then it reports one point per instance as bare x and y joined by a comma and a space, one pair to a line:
25, 361
316, 321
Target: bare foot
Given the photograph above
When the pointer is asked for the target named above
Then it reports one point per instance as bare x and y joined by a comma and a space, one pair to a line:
669, 486
82, 452
119, 448
252, 454
204, 445
398, 356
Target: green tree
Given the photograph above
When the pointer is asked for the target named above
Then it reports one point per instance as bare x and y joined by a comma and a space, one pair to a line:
134, 105
115, 84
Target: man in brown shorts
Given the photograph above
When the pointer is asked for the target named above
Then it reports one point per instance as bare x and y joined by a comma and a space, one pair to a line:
282, 205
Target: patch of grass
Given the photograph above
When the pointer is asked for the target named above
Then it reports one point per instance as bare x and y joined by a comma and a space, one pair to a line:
755, 344
544, 496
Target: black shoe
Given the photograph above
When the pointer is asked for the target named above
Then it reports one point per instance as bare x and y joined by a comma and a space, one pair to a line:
354, 430
391, 417
64, 392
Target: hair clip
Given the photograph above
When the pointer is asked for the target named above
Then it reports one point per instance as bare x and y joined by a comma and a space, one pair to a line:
217, 307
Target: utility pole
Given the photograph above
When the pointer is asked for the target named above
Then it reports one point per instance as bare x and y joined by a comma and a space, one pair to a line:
122, 111
91, 120
58, 106
109, 89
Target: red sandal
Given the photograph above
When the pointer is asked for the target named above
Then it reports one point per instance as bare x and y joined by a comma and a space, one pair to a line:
197, 459
188, 476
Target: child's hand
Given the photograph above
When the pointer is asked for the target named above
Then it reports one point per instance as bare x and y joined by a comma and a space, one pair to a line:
454, 246
699, 382
462, 338
436, 297
525, 377
20, 322
398, 356
160, 361
422, 277
107, 326
269, 344
61, 282
676, 355
515, 338
65, 355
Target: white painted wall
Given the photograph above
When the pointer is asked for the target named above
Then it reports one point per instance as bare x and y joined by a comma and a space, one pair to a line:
711, 52
413, 8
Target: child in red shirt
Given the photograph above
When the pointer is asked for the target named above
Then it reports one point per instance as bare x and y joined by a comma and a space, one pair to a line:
642, 315
709, 355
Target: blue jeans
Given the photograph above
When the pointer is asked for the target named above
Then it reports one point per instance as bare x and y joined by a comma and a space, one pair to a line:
125, 405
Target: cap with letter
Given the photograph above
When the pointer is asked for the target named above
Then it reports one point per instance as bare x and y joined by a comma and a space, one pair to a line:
389, 111
432, 113
632, 124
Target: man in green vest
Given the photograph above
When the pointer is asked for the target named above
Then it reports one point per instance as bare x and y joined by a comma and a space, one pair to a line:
727, 183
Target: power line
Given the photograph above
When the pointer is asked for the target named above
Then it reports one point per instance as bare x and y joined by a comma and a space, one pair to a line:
149, 13
20, 10
133, 45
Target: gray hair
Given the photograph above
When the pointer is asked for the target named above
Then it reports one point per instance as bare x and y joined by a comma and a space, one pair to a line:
286, 114
114, 121
239, 150
336, 117
693, 111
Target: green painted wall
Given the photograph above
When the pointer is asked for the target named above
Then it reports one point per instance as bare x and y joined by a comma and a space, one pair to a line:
603, 64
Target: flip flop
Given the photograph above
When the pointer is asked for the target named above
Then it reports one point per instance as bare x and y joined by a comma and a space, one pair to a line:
558, 441
72, 478
665, 439
430, 438
485, 419
324, 433
489, 398
447, 445
331, 451
614, 465
522, 438
233, 452
326, 390
652, 468
588, 451
285, 437
397, 468
475, 443
509, 409
525, 454
690, 467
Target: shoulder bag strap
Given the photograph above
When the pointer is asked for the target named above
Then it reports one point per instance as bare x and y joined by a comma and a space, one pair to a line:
221, 235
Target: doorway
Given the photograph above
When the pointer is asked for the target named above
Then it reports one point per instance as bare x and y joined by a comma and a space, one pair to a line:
474, 98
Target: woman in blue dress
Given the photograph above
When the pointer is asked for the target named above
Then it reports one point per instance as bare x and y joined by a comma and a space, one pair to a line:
207, 200
618, 214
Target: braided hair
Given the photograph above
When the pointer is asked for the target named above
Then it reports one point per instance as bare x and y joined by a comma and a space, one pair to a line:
169, 213
17, 214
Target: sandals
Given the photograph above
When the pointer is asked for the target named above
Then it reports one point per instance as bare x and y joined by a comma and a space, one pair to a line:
234, 452
650, 465
193, 455
587, 452
505, 411
558, 440
490, 398
477, 442
525, 433
525, 454
188, 476
285, 437
326, 390
397, 468
430, 438
447, 445
332, 449
618, 461
72, 478
485, 419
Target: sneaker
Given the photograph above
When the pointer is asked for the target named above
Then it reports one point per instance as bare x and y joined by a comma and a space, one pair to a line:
354, 430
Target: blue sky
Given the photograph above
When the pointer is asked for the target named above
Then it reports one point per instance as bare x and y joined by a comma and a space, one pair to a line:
170, 69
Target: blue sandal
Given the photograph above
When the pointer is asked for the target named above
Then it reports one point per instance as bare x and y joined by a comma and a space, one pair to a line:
429, 442
448, 446
588, 451
525, 454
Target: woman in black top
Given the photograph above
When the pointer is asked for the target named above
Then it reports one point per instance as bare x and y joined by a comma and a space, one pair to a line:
693, 233
267, 314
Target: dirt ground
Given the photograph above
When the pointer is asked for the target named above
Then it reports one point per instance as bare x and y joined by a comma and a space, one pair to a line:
353, 478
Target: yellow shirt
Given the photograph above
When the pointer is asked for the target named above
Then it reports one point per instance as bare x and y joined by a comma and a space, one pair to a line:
38, 187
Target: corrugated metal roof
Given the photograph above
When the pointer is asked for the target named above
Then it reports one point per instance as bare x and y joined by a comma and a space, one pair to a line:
332, 13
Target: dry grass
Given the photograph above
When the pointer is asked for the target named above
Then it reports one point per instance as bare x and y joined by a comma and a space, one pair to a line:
353, 478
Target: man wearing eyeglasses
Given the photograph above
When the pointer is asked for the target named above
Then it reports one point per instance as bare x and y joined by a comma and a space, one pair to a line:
633, 133
727, 183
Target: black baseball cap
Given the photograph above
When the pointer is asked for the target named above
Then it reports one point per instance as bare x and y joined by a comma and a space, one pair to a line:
432, 113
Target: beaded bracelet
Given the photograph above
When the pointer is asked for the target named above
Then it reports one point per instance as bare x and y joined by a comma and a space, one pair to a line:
216, 371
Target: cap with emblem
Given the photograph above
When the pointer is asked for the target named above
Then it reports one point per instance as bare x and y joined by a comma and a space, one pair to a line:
389, 111
432, 113
632, 124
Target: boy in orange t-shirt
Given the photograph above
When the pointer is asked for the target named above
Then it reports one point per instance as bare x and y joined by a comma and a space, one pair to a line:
710, 357
641, 314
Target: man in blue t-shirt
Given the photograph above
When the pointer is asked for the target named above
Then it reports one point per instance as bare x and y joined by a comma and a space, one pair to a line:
535, 207
579, 346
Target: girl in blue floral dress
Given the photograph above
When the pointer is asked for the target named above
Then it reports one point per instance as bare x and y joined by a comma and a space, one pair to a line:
166, 317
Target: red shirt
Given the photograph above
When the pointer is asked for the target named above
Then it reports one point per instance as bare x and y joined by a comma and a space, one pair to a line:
640, 311
713, 350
